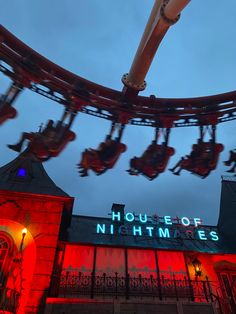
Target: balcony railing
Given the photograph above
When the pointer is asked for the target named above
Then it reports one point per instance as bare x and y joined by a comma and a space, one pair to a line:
9, 300
75, 284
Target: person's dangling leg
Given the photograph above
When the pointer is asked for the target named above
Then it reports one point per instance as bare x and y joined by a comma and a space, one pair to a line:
229, 161
177, 173
18, 146
177, 165
233, 168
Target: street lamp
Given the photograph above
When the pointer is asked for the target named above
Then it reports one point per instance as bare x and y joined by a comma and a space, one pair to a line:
18, 258
23, 233
197, 267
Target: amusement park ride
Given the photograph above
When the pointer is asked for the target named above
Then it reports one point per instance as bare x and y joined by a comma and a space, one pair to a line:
28, 69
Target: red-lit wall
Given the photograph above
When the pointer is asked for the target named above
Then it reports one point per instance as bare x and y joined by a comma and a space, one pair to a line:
78, 258
42, 217
172, 263
145, 262
212, 265
141, 262
108, 260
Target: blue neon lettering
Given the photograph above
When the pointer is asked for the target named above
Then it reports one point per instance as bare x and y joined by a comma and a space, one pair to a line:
137, 230
214, 236
197, 221
101, 228
185, 221
164, 233
129, 217
111, 229
167, 220
150, 229
143, 220
201, 234
115, 216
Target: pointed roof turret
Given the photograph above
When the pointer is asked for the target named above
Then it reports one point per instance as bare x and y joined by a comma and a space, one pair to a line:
27, 174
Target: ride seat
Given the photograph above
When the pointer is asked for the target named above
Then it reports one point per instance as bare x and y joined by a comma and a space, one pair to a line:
7, 112
39, 149
119, 148
57, 147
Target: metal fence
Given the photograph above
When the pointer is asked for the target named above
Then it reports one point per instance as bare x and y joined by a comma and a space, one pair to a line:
9, 300
75, 284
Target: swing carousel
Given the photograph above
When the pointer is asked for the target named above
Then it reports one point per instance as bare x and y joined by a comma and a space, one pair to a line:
27, 69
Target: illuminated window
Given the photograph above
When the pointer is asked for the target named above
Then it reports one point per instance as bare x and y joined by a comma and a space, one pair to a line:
171, 263
78, 258
141, 262
110, 261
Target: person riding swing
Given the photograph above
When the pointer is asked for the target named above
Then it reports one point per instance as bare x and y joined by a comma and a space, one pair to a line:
203, 157
105, 157
49, 141
155, 158
232, 159
6, 102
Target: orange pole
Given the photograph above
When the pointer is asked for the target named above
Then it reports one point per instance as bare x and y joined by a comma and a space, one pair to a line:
163, 15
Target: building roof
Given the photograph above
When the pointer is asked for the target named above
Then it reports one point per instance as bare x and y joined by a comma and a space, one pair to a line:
26, 174
227, 217
83, 231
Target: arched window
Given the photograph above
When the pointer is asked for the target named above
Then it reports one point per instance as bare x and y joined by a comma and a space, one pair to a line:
6, 249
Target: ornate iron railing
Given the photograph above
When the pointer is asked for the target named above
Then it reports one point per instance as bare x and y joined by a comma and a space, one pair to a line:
9, 300
75, 284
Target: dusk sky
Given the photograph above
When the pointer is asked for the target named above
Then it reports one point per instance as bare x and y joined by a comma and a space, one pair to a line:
97, 39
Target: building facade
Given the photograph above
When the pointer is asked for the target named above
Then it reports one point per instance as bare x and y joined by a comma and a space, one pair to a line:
54, 262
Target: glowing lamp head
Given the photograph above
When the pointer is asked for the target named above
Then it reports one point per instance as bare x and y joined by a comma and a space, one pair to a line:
197, 267
24, 232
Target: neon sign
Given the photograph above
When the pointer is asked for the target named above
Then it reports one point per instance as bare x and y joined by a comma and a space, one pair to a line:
155, 226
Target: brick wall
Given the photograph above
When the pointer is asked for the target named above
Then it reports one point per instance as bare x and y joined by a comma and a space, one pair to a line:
85, 306
41, 215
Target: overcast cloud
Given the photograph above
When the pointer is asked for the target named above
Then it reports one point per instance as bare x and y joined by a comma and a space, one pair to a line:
97, 39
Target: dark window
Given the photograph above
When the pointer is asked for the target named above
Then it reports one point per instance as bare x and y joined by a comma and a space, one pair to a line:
4, 253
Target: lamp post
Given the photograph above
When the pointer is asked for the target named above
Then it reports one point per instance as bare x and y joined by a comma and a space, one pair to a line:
23, 234
197, 267
18, 258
